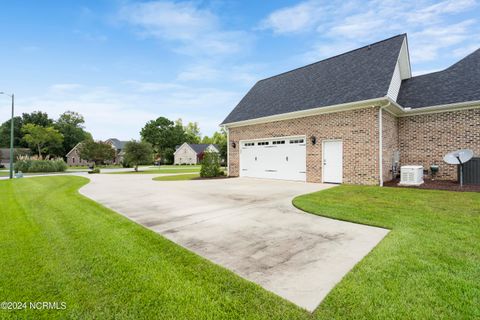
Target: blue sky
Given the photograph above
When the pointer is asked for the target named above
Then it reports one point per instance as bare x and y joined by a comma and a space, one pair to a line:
122, 63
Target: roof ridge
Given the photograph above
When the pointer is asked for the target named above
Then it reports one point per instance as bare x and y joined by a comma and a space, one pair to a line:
335, 56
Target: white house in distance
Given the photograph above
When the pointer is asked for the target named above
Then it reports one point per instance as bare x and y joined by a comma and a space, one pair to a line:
189, 153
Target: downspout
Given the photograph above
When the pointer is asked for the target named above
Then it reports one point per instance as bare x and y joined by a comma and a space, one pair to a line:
380, 143
228, 151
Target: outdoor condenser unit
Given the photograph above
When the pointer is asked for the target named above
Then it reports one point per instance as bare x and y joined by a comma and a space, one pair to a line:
411, 175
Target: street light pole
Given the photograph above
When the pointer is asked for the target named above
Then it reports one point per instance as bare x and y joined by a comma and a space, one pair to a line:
11, 132
11, 137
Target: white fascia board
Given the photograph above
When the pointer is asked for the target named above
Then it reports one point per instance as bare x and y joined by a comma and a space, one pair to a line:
441, 108
310, 112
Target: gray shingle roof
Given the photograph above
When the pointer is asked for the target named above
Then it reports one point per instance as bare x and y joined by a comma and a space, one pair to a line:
199, 148
119, 145
458, 83
361, 74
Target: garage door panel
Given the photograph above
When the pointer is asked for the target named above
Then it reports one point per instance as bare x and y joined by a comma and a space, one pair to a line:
274, 158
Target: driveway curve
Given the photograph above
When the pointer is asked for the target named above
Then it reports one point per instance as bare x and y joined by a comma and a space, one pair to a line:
246, 225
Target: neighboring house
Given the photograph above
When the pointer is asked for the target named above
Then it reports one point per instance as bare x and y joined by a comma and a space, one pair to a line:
73, 157
189, 153
118, 146
355, 117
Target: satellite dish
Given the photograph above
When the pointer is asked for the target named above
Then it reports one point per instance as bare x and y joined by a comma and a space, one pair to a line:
459, 157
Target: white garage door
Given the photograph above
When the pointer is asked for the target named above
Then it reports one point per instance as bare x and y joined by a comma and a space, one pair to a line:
275, 158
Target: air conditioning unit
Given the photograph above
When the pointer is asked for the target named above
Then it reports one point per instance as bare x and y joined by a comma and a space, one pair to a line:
411, 175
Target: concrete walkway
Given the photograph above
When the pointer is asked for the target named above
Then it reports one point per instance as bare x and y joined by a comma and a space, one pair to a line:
246, 225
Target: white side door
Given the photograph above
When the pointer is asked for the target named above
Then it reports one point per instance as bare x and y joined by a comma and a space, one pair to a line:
333, 161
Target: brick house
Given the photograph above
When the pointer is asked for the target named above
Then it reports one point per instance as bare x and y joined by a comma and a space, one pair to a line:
356, 118
73, 156
190, 153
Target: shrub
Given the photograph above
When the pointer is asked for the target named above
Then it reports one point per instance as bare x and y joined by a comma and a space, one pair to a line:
93, 171
210, 165
35, 164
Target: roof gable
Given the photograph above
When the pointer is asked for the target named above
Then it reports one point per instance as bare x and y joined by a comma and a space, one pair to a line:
458, 83
358, 75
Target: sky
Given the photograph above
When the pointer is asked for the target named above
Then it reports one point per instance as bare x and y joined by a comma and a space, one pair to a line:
123, 63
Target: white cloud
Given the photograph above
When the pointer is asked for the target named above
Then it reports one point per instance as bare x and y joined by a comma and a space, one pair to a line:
199, 72
122, 111
64, 87
428, 42
435, 29
434, 12
300, 17
195, 31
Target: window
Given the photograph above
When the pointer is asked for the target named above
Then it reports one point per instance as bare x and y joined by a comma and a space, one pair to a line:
263, 143
248, 144
297, 141
73, 160
279, 142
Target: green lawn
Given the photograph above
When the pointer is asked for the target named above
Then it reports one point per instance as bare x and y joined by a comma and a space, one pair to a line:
173, 166
6, 173
157, 171
56, 245
177, 177
428, 267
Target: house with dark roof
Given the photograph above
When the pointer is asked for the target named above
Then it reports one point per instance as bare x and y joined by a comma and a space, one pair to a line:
119, 149
356, 118
74, 159
190, 153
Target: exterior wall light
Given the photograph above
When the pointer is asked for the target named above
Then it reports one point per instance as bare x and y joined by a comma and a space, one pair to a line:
313, 139
234, 144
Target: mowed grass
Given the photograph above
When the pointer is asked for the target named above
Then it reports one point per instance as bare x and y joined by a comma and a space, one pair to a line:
158, 171
56, 245
178, 177
428, 266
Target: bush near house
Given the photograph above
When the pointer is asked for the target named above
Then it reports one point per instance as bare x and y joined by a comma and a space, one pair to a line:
35, 164
211, 165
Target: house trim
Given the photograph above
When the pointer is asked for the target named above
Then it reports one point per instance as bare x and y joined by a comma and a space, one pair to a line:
310, 112
391, 106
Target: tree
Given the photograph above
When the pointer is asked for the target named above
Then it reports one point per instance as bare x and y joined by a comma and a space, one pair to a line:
220, 139
70, 124
210, 165
42, 139
192, 132
138, 153
96, 152
164, 135
17, 133
37, 117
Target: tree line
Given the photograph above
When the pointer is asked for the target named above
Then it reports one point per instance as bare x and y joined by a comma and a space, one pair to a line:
165, 135
43, 135
49, 137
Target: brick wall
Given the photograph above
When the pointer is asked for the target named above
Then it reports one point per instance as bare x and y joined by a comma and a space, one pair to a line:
73, 159
425, 139
390, 143
357, 128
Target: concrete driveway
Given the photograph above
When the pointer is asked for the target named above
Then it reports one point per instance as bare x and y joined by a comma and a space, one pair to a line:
246, 225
